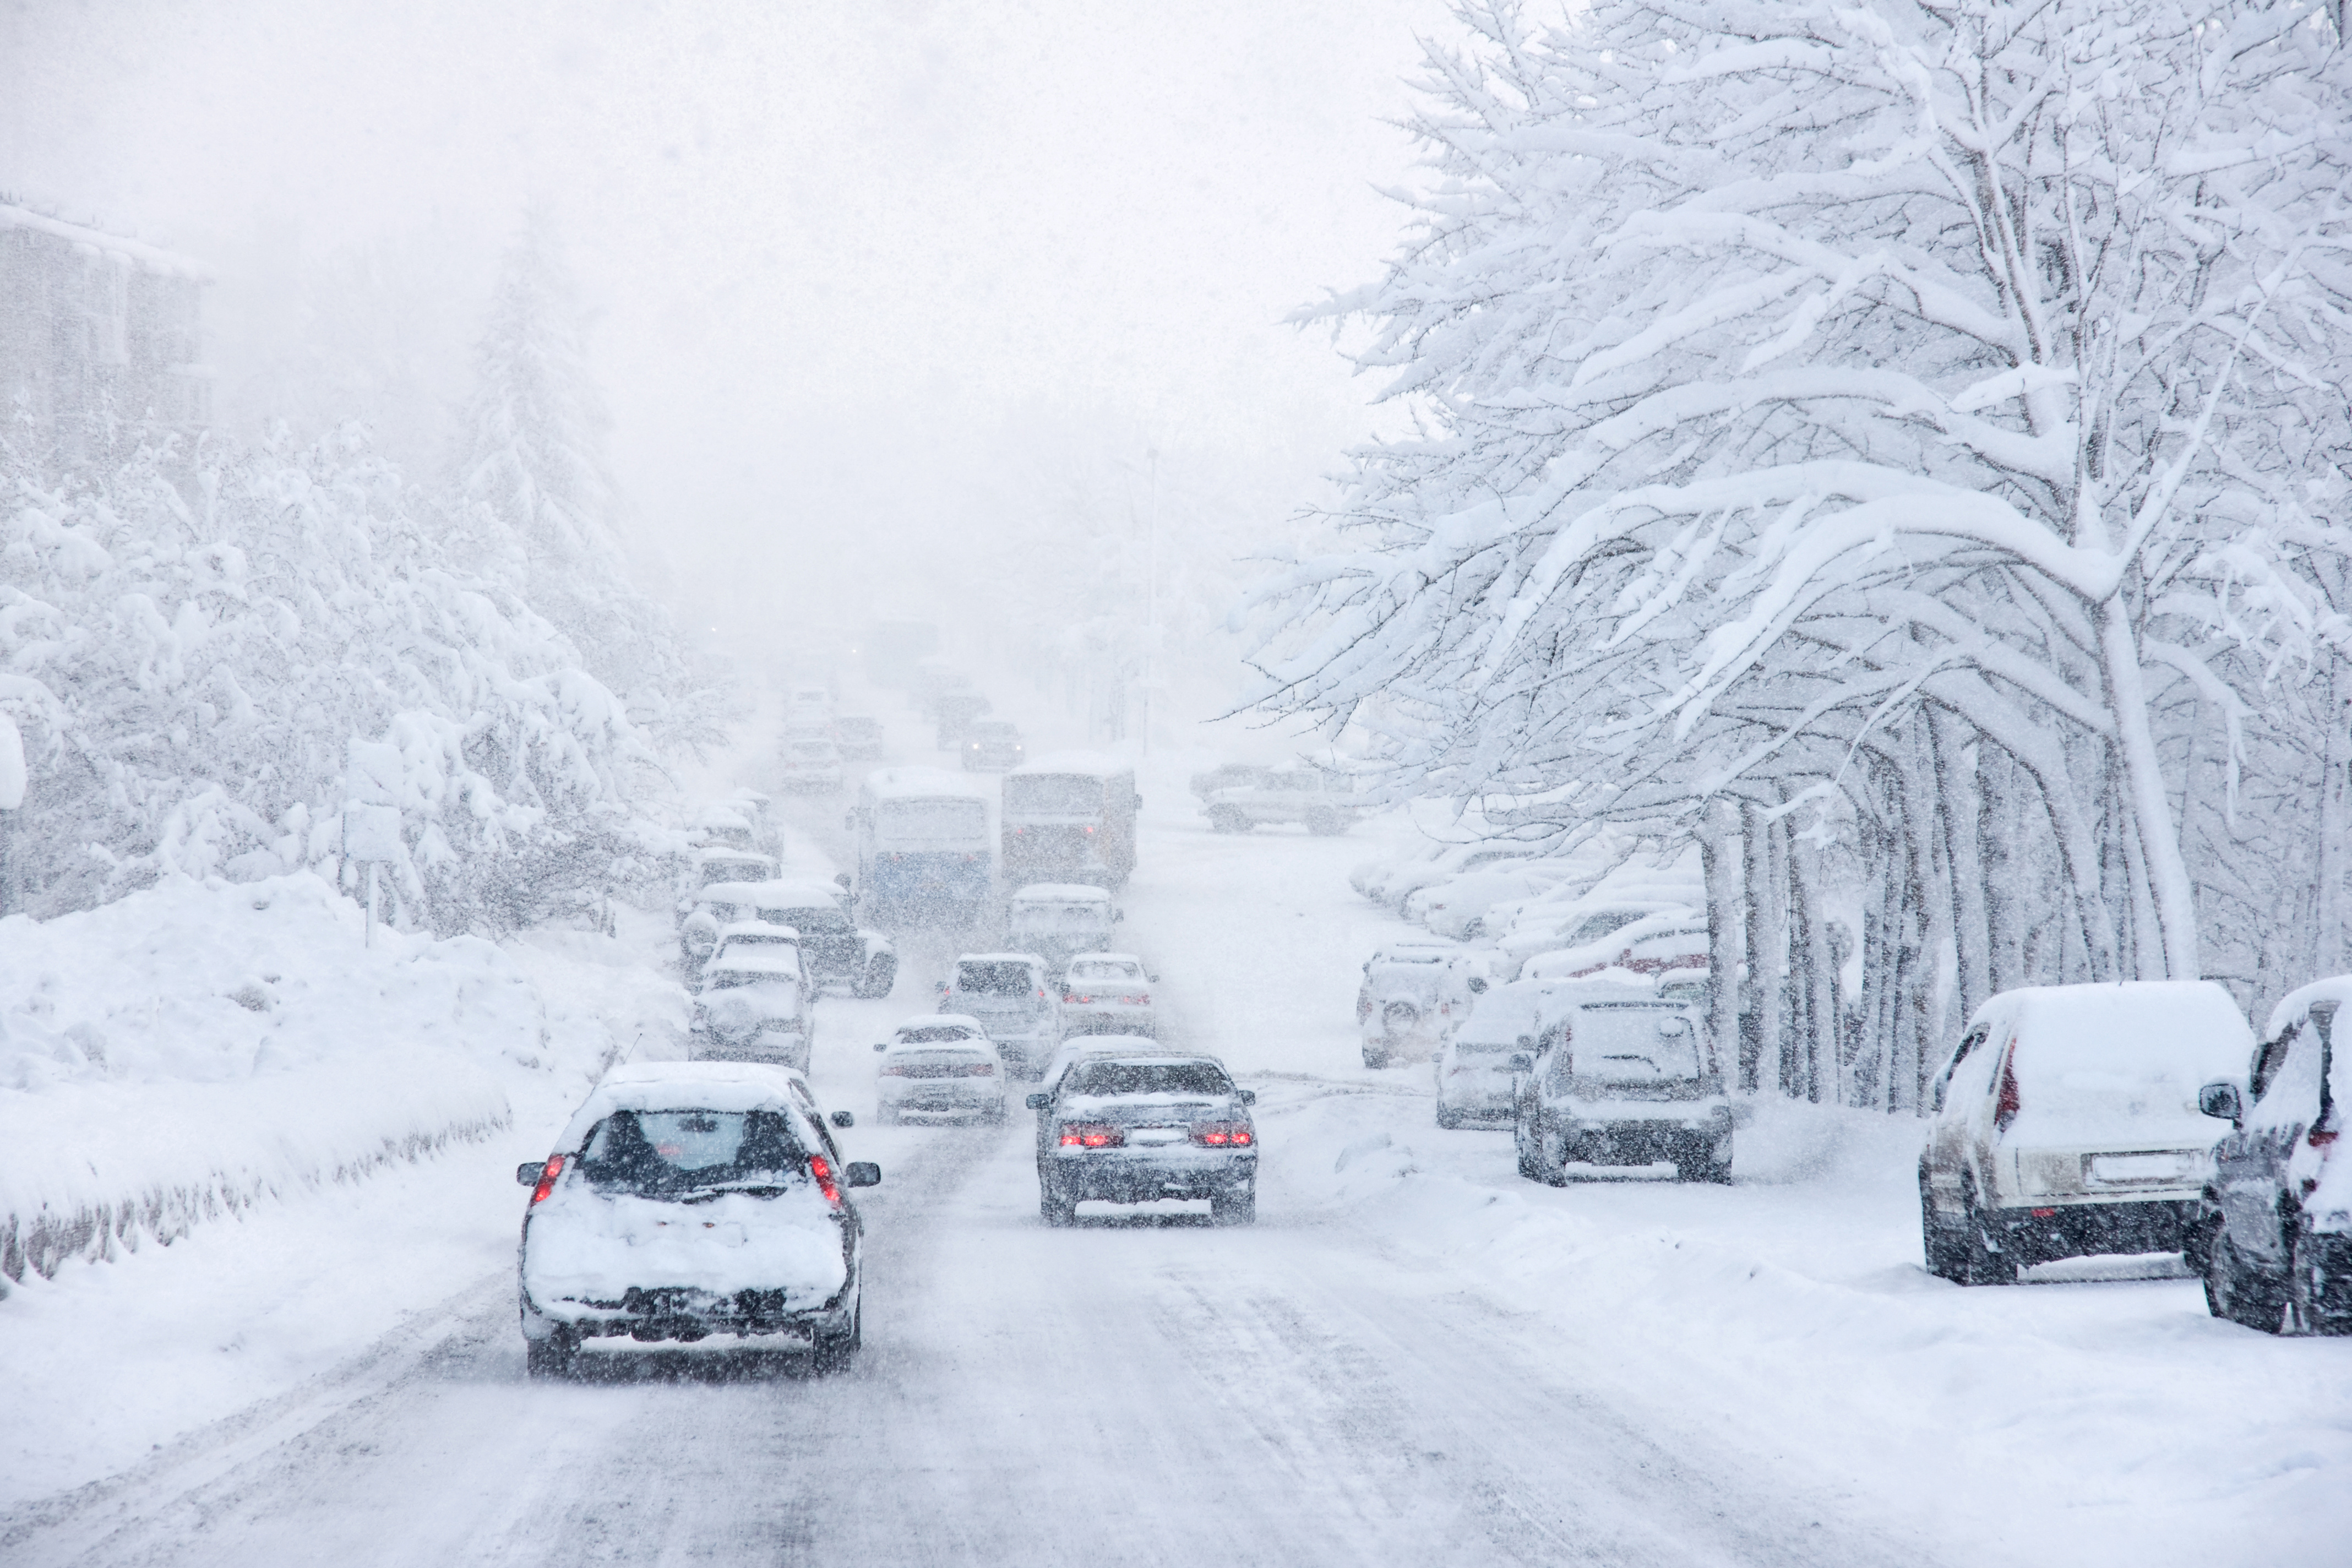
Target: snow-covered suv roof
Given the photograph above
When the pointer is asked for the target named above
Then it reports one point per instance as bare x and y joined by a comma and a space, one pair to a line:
686, 1086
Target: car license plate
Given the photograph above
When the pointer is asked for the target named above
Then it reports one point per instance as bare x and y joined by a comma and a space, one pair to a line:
1157, 1135
2142, 1170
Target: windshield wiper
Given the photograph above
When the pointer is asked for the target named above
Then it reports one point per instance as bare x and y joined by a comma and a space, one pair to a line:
703, 1194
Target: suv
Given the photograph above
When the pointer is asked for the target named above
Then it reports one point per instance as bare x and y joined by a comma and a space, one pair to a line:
835, 949
1007, 992
754, 1007
1323, 800
1630, 1080
2066, 1123
686, 1199
1136, 1127
859, 737
2274, 1234
1414, 995
993, 745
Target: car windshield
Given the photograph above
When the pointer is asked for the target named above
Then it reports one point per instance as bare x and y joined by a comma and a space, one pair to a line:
1061, 915
1102, 1079
1099, 970
733, 976
660, 1152
935, 1032
1631, 1043
827, 919
1063, 794
1592, 928
1002, 978
917, 823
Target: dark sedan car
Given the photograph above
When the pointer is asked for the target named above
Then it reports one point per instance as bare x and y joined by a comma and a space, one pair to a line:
1136, 1127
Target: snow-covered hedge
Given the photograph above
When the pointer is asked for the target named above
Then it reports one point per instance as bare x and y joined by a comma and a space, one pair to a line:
185, 1051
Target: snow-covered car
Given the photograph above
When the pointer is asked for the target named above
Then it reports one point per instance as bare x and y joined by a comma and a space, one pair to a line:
1580, 929
1007, 992
726, 825
835, 949
754, 1007
993, 745
1108, 994
690, 1199
1138, 1127
723, 863
1392, 882
1059, 920
1631, 1079
939, 1065
2273, 1238
859, 736
1413, 995
1456, 907
809, 702
809, 763
1323, 800
705, 912
1668, 942
1225, 775
1474, 1075
2067, 1123
744, 938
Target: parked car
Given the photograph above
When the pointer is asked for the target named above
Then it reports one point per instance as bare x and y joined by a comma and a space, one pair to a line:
1007, 992
1226, 775
1414, 995
1669, 940
723, 863
993, 745
1322, 799
687, 1199
1589, 932
859, 736
1108, 994
1631, 1078
1456, 907
1474, 1075
809, 764
809, 702
1136, 1127
835, 949
1392, 882
940, 1064
956, 713
2274, 1232
754, 1007
1059, 920
2066, 1122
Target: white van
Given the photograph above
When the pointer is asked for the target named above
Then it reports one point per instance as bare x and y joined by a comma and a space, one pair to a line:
2066, 1123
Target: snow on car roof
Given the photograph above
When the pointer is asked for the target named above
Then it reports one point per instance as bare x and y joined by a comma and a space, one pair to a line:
1063, 892
785, 891
1093, 763
1107, 958
684, 1085
933, 1020
755, 963
760, 929
2292, 1009
998, 958
1610, 985
918, 783
772, 894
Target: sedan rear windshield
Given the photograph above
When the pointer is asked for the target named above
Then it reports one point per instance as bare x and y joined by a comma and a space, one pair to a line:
1630, 1043
660, 1152
934, 1033
1098, 970
1006, 979
828, 920
1148, 1077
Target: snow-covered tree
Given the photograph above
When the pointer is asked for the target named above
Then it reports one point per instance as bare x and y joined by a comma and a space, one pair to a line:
1926, 419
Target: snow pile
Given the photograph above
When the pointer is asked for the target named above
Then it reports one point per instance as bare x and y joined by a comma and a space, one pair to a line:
183, 1051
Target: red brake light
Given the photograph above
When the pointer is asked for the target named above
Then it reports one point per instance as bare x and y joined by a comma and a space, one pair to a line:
2320, 1137
547, 1179
1092, 1135
2005, 1110
1225, 1134
823, 1171
981, 1069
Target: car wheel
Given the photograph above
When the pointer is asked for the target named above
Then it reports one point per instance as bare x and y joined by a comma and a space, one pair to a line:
1449, 1119
1981, 1261
2308, 1306
1718, 1171
1374, 1056
833, 1353
1551, 1157
1325, 824
1522, 1149
2238, 1293
1054, 1209
1942, 1243
552, 1356
1236, 1208
1227, 819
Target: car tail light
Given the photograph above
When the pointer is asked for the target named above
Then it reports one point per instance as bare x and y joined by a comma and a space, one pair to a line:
547, 1179
1092, 1135
1223, 1134
2320, 1137
892, 1072
822, 1170
1068, 996
979, 1069
1142, 1001
2005, 1110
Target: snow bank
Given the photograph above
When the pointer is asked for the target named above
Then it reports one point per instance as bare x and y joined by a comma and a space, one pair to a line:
181, 1052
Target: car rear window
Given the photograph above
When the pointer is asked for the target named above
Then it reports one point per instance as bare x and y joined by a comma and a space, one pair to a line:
1631, 1043
995, 979
1098, 970
827, 920
1061, 917
936, 1032
1148, 1077
657, 1153
2097, 1051
727, 979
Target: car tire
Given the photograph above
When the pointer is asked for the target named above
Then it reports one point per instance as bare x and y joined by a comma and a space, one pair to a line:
2239, 1293
1375, 1058
1056, 1210
1551, 1157
552, 1356
1716, 1172
1325, 823
876, 980
1227, 819
1236, 1208
1981, 1261
833, 1353
1521, 1150
1451, 1120
2307, 1311
1943, 1246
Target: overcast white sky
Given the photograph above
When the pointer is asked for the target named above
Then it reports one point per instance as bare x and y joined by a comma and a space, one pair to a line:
854, 265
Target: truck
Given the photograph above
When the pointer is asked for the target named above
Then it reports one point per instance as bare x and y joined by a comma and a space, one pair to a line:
1070, 818
925, 857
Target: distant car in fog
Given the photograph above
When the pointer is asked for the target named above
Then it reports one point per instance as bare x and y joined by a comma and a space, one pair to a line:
1474, 1075
723, 863
939, 1066
684, 1200
753, 1006
809, 703
1057, 921
1108, 994
809, 765
1323, 800
993, 745
1070, 818
1008, 992
835, 949
742, 939
1140, 1127
859, 736
1631, 1078
926, 852
1414, 995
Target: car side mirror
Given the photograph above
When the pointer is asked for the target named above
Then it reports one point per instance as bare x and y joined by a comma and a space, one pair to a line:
1477, 987
1522, 1062
1526, 1042
881, 1045
1037, 1101
842, 878
862, 1173
1153, 978
845, 1119
2221, 1100
1117, 916
528, 1174
1247, 1095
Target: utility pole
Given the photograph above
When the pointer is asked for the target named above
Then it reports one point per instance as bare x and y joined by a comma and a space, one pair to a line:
1151, 602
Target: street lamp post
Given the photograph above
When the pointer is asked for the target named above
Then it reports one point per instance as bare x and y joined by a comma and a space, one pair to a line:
1151, 600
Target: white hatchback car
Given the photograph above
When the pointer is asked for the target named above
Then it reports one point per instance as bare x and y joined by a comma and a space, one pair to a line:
690, 1199
939, 1064
1108, 994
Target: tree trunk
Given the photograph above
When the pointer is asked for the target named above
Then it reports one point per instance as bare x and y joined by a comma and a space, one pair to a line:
2151, 819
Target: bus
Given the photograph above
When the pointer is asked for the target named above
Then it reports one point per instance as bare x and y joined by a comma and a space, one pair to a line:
1070, 819
925, 855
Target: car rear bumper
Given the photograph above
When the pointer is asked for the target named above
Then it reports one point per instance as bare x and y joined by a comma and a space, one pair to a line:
2044, 1232
1134, 1176
783, 1051
1647, 1141
1080, 1020
943, 1098
683, 1316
